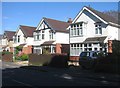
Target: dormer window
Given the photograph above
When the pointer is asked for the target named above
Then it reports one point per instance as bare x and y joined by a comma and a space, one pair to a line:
98, 29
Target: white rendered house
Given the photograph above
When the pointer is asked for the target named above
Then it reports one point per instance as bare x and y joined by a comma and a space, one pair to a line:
7, 41
51, 36
24, 37
90, 30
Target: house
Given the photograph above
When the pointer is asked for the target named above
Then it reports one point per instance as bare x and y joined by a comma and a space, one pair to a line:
51, 36
92, 30
24, 38
1, 43
7, 41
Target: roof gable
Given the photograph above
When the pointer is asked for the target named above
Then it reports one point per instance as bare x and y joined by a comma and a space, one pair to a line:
58, 26
101, 16
27, 30
9, 34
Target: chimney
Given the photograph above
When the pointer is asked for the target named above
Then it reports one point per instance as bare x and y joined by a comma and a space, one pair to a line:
69, 20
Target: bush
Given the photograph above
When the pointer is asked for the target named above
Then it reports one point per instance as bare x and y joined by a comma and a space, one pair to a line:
6, 52
24, 57
17, 58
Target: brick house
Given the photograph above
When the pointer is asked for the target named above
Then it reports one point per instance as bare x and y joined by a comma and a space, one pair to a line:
51, 36
24, 38
91, 30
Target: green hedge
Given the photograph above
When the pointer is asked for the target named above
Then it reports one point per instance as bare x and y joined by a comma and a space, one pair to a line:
6, 52
23, 57
109, 64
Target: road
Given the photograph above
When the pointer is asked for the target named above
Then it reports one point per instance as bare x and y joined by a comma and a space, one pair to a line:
15, 75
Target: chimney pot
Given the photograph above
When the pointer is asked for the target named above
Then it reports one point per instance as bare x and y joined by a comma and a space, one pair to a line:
69, 20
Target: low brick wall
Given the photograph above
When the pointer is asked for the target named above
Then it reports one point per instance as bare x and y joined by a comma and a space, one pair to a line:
55, 60
7, 57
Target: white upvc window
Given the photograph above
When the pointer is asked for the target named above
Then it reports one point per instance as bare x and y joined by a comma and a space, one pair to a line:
75, 49
43, 34
18, 38
98, 29
51, 35
76, 29
37, 36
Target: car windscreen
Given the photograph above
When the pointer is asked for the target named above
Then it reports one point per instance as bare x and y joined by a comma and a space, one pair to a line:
85, 54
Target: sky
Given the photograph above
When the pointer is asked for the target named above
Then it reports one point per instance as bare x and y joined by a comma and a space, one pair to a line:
30, 13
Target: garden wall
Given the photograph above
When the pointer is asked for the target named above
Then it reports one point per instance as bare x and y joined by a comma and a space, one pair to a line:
7, 57
54, 60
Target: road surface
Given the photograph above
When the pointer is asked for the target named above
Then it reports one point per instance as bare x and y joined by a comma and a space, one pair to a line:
15, 75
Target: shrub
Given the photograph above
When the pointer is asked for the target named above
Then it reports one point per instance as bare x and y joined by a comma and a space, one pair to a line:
6, 52
17, 58
24, 57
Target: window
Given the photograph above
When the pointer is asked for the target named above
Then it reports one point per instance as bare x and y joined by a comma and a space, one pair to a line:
98, 29
51, 35
85, 45
18, 39
90, 45
76, 29
75, 49
37, 36
43, 35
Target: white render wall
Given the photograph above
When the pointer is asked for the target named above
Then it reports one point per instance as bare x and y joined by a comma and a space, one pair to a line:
20, 33
23, 39
62, 38
58, 37
29, 40
112, 32
107, 30
4, 42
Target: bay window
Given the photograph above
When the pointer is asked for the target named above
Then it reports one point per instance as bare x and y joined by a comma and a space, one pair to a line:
76, 29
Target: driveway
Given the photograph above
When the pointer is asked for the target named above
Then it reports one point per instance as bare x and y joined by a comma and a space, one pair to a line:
33, 76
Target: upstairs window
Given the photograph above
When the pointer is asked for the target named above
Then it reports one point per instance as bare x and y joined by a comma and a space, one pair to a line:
37, 36
51, 35
76, 29
98, 29
43, 34
18, 38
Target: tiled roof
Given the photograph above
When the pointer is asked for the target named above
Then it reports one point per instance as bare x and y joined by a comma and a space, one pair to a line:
104, 16
95, 39
9, 34
27, 30
56, 25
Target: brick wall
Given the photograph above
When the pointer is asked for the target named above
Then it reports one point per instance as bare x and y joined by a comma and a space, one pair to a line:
7, 57
58, 48
27, 50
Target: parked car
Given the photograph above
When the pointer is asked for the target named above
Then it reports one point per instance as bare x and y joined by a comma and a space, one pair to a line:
88, 59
